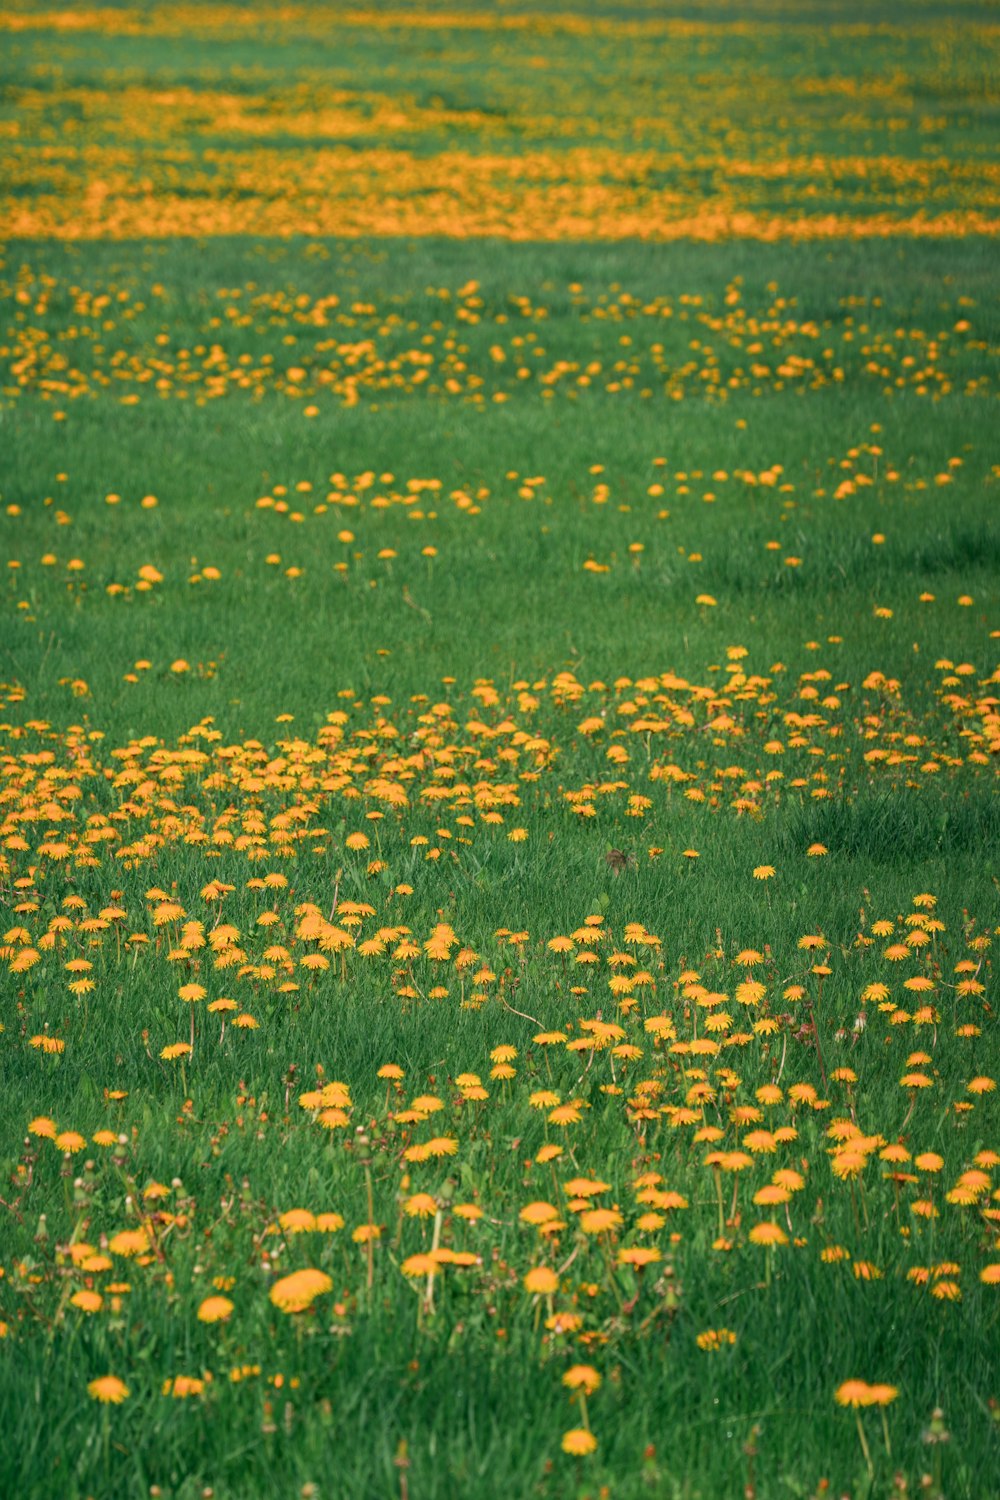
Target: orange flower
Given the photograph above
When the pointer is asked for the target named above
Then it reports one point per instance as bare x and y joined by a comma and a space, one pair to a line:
541, 1280
579, 1441
108, 1389
582, 1378
297, 1292
215, 1310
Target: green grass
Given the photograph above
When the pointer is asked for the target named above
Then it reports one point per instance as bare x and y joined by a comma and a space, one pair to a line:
798, 444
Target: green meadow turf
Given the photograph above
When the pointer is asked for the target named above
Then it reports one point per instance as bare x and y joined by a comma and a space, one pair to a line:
370, 1395
505, 598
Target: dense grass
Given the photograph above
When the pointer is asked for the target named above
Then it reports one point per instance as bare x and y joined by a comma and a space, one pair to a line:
437, 651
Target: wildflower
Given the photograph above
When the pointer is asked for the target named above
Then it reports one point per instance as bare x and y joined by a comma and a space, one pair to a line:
174, 1050
46, 1043
853, 1393
565, 1114
768, 1233
600, 1220
712, 1339
579, 1441
582, 1378
538, 1213
87, 1301
542, 1281
366, 1234
129, 1242
420, 1265
638, 1255
297, 1292
108, 1389
183, 1386
215, 1310
297, 1221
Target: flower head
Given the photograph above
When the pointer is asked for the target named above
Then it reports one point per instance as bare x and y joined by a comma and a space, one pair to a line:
297, 1292
579, 1441
108, 1389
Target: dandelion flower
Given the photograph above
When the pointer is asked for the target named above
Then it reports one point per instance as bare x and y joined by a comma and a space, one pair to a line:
175, 1050
129, 1242
297, 1292
768, 1233
215, 1310
639, 1255
600, 1220
579, 1442
542, 1281
853, 1393
183, 1386
420, 1265
87, 1301
108, 1389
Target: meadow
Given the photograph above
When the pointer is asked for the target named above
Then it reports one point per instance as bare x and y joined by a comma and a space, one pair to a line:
499, 717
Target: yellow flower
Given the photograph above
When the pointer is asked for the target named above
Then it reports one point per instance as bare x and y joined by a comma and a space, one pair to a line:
541, 1280
86, 1301
420, 1265
582, 1378
297, 1292
108, 1388
183, 1386
767, 1233
174, 1050
539, 1212
600, 1220
215, 1310
420, 1205
366, 1233
129, 1242
578, 1441
853, 1393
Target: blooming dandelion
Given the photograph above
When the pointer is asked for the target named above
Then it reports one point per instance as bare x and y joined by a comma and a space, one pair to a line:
582, 1378
108, 1389
541, 1280
215, 1310
578, 1442
297, 1292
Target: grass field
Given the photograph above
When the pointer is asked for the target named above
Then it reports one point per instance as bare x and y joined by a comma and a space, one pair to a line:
499, 716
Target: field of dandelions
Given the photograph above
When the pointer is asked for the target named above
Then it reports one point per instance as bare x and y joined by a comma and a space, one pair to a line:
499, 723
